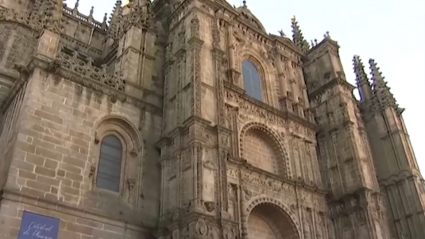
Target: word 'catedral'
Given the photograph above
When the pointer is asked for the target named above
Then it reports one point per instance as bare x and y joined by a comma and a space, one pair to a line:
186, 119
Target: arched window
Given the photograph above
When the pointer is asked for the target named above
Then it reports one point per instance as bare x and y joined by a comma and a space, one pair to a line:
110, 160
251, 79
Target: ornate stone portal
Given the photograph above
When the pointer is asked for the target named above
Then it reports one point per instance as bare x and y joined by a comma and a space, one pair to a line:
220, 129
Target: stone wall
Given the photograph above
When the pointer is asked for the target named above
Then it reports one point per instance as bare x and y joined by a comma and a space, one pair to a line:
17, 45
74, 224
260, 228
260, 153
56, 157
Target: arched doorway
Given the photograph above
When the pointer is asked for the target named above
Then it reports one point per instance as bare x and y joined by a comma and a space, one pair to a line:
268, 221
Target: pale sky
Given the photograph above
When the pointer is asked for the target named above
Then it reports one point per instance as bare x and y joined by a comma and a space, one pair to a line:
390, 31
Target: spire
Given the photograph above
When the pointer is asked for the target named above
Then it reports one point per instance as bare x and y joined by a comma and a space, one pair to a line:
298, 37
362, 80
115, 20
381, 92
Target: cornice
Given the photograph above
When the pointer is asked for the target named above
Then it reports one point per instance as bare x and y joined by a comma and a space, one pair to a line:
271, 109
243, 164
54, 68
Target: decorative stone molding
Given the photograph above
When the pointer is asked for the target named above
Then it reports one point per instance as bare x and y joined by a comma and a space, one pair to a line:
201, 227
268, 183
284, 167
87, 69
257, 200
11, 15
141, 16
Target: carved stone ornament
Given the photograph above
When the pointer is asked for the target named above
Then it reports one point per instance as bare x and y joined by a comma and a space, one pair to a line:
130, 183
44, 14
7, 14
86, 69
92, 171
201, 227
96, 138
194, 27
229, 232
254, 110
210, 206
210, 165
134, 153
248, 194
47, 14
141, 15
268, 183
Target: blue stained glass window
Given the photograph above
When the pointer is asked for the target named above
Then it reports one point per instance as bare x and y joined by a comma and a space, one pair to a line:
109, 171
252, 81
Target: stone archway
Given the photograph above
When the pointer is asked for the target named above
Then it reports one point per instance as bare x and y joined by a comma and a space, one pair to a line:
267, 218
266, 222
263, 149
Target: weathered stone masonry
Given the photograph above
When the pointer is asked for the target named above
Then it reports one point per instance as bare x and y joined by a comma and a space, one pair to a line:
204, 145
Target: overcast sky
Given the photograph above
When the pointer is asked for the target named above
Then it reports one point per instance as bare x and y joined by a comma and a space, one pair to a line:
390, 31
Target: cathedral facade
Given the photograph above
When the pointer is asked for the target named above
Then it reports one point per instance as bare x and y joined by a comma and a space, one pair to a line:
186, 119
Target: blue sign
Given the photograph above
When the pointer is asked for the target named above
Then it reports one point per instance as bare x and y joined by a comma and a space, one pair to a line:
35, 226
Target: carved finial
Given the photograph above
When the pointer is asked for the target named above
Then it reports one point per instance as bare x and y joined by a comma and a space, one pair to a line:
282, 34
361, 76
104, 22
326, 35
244, 3
381, 92
297, 36
91, 11
115, 20
75, 10
315, 41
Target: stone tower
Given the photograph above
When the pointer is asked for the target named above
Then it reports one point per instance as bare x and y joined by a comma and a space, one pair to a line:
186, 119
397, 170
